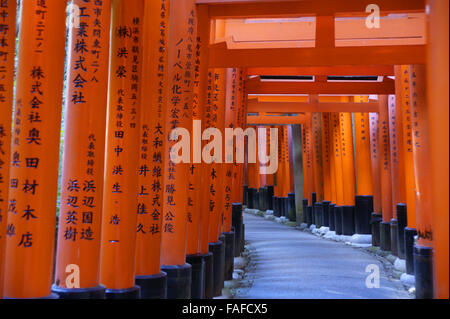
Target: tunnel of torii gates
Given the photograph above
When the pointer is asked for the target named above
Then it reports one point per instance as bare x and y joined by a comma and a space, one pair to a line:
361, 115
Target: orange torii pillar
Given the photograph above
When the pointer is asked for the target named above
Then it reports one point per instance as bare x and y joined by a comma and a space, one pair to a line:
317, 168
239, 190
291, 210
7, 56
121, 186
203, 85
269, 188
338, 171
228, 166
332, 172
33, 183
278, 189
262, 192
252, 175
149, 277
385, 173
286, 174
423, 249
348, 173
308, 175
375, 156
178, 123
406, 213
364, 189
328, 180
397, 165
79, 232
438, 108
215, 179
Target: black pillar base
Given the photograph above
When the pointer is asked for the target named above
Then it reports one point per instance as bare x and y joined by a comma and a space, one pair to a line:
376, 236
309, 215
331, 217
410, 233
276, 206
423, 271
131, 293
338, 219
179, 281
251, 196
153, 287
348, 220
385, 236
270, 191
326, 213
263, 199
402, 220
284, 206
218, 251
236, 221
256, 200
229, 255
243, 238
313, 198
394, 242
363, 211
304, 210
80, 293
209, 275
245, 196
292, 212
198, 276
318, 212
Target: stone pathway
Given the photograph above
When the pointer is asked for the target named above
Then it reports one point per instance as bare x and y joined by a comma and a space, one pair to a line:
289, 264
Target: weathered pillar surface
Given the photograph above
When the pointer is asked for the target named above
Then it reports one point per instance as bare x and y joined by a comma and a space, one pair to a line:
7, 56
337, 153
325, 142
35, 151
121, 187
79, 230
438, 108
331, 152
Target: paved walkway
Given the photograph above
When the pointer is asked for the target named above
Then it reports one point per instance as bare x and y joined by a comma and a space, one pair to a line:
291, 264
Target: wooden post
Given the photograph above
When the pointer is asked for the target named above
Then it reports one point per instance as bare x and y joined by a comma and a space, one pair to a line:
149, 277
121, 186
423, 260
7, 57
181, 45
338, 171
79, 230
317, 155
34, 168
438, 102
385, 173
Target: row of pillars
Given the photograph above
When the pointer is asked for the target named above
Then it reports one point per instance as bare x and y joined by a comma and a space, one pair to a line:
366, 176
131, 223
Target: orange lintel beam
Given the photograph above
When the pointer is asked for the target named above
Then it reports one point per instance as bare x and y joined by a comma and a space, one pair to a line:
354, 70
255, 86
222, 57
291, 107
275, 120
258, 9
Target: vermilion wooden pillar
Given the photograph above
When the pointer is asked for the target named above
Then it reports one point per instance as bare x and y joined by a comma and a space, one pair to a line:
35, 151
149, 277
317, 155
7, 57
375, 157
423, 260
397, 166
79, 230
438, 106
180, 45
338, 171
385, 174
406, 213
326, 157
292, 210
364, 182
121, 186
348, 171
286, 182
